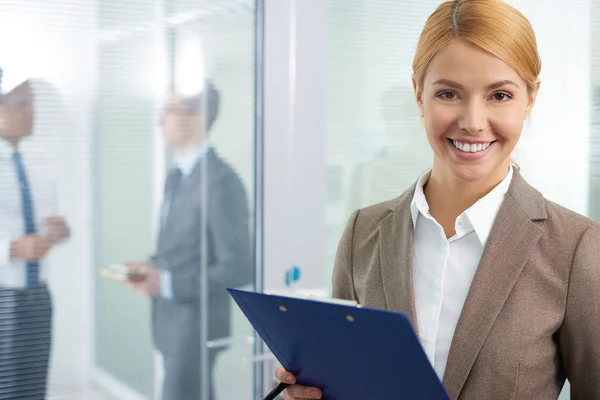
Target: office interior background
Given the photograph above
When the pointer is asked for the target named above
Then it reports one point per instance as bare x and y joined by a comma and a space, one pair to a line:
317, 117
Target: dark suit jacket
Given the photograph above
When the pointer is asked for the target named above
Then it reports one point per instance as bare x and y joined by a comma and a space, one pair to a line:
221, 223
532, 315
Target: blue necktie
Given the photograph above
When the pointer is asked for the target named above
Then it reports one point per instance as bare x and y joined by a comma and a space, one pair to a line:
33, 267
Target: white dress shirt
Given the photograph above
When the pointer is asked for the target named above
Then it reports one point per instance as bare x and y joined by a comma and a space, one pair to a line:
443, 269
13, 272
186, 165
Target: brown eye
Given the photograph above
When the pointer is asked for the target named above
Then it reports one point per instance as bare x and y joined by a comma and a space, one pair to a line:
447, 95
501, 96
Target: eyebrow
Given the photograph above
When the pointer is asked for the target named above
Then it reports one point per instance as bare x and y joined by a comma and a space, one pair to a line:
491, 86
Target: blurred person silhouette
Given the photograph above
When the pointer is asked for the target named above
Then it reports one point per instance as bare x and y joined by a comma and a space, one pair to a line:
201, 185
25, 239
388, 159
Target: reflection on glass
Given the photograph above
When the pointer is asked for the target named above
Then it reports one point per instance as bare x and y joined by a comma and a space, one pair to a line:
594, 181
110, 60
29, 229
376, 145
216, 39
204, 223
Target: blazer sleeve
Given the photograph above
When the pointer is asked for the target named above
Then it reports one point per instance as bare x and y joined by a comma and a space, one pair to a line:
343, 277
230, 263
580, 333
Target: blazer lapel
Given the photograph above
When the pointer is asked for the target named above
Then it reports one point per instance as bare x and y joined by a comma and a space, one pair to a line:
396, 246
170, 220
512, 237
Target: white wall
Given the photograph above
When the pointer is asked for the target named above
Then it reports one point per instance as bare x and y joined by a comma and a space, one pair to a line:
595, 22
294, 146
554, 153
294, 164
55, 41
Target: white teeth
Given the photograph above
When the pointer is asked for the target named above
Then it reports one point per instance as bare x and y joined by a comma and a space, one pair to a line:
471, 148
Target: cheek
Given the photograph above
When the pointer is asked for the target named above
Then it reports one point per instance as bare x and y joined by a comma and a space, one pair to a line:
169, 125
13, 123
439, 120
508, 126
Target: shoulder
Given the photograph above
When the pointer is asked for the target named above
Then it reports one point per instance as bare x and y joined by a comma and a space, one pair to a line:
576, 237
371, 216
560, 225
566, 224
220, 171
566, 236
368, 219
225, 185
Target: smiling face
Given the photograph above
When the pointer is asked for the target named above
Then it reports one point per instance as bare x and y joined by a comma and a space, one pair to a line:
474, 106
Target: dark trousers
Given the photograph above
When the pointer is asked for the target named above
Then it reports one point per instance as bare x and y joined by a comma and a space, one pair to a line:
25, 341
183, 376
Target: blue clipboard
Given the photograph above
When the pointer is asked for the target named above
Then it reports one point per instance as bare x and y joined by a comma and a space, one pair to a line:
349, 353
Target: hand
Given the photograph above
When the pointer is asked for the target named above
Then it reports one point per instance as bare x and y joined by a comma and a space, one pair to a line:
30, 247
296, 392
145, 280
57, 228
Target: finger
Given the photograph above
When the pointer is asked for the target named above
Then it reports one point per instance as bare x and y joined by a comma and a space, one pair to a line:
139, 275
286, 396
137, 286
142, 269
135, 265
53, 220
283, 376
303, 392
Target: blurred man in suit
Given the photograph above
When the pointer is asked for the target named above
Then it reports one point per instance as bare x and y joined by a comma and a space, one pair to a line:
25, 302
204, 223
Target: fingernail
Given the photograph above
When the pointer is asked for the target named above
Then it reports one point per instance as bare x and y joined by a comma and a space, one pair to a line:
289, 379
315, 394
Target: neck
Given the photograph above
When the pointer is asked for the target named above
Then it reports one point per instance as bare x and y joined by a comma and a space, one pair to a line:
449, 196
13, 142
185, 150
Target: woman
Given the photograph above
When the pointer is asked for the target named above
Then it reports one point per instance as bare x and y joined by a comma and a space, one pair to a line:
502, 286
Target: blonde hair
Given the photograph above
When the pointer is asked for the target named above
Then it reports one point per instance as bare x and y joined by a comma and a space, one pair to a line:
492, 25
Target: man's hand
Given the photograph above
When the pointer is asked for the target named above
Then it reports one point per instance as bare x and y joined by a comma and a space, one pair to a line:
145, 280
30, 248
57, 228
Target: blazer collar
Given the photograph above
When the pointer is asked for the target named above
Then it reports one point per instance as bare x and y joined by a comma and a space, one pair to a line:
187, 163
512, 237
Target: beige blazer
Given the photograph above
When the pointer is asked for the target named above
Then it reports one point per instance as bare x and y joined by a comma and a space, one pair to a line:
532, 315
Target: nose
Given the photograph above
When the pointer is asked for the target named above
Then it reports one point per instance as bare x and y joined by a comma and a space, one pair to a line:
473, 118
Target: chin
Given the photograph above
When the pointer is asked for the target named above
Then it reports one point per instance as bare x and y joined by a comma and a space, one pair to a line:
470, 173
